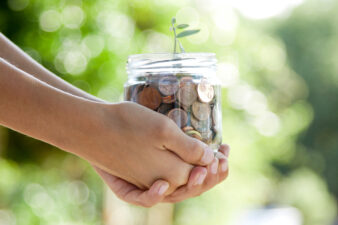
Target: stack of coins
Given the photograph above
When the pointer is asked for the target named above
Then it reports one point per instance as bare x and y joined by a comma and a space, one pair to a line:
190, 103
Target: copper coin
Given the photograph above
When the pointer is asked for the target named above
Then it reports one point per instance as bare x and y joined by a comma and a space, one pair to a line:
194, 134
187, 94
179, 116
205, 91
137, 88
186, 80
164, 108
168, 99
149, 97
168, 85
187, 128
201, 125
201, 110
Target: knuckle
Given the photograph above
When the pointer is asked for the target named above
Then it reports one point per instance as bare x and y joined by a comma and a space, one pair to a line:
196, 150
163, 128
181, 176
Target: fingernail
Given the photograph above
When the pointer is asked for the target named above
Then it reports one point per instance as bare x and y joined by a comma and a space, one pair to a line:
200, 179
224, 166
163, 188
214, 167
208, 156
227, 152
220, 155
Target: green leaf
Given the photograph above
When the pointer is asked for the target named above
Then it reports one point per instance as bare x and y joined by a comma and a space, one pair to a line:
182, 26
173, 20
187, 33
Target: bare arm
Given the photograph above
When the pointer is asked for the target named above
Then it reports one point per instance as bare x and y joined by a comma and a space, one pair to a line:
33, 107
14, 55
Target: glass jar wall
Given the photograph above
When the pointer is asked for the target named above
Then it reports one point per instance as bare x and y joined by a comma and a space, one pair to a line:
183, 87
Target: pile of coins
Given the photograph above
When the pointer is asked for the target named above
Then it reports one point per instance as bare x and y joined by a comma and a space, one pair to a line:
191, 104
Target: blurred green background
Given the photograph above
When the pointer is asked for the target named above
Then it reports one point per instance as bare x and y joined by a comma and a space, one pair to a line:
278, 65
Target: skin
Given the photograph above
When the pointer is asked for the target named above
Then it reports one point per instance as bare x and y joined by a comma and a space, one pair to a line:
107, 135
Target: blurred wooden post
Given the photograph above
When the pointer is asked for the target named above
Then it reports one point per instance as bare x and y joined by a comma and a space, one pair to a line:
117, 212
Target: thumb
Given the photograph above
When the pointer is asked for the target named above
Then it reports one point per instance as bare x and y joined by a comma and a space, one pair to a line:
189, 149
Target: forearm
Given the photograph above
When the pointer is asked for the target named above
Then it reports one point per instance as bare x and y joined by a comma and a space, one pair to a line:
20, 59
34, 108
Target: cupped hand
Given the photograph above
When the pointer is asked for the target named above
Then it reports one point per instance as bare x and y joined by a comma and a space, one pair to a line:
141, 146
201, 179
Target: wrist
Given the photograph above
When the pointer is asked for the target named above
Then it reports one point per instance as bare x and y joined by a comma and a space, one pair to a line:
95, 127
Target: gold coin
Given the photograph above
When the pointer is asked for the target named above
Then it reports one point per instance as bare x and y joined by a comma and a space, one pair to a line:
149, 97
187, 128
194, 134
205, 91
179, 116
201, 110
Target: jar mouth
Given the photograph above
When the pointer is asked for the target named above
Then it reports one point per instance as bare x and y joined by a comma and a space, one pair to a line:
168, 56
169, 62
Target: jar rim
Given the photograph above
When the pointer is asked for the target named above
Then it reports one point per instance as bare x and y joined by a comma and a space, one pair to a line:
169, 62
172, 55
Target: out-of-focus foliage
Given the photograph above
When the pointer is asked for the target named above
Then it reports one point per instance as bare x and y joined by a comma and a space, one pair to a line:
279, 104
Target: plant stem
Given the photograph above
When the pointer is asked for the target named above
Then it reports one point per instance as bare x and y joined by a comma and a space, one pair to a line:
181, 47
174, 29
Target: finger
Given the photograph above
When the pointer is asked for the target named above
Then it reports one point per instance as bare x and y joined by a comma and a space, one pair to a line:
119, 186
150, 197
223, 170
212, 178
196, 179
131, 194
225, 149
189, 149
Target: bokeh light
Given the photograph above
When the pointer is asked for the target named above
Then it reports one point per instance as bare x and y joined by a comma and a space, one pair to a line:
50, 20
72, 17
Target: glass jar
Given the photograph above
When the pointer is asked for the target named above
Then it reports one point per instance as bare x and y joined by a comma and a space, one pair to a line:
183, 87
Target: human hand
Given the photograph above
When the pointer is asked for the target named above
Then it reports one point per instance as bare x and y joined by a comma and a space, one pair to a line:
141, 146
214, 174
200, 180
